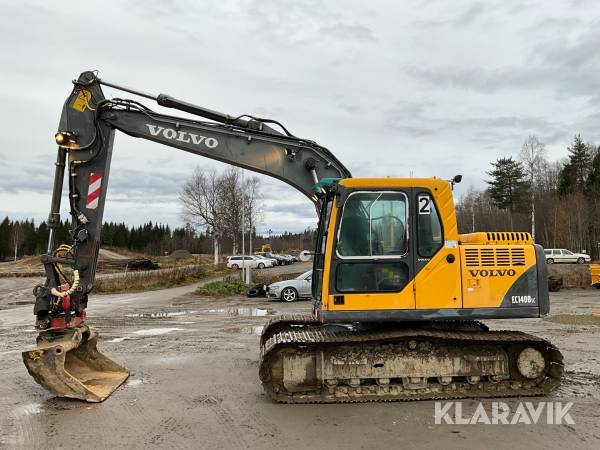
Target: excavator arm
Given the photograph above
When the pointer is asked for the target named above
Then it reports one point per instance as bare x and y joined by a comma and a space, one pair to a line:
66, 360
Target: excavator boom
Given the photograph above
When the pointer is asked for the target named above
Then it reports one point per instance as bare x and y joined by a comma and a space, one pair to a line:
66, 360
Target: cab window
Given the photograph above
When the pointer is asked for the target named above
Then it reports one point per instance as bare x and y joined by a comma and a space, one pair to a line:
373, 224
371, 277
429, 227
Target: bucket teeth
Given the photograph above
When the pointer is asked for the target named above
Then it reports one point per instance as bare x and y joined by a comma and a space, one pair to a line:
70, 365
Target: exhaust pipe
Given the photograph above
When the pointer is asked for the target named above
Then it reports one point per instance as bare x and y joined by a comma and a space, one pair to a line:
68, 364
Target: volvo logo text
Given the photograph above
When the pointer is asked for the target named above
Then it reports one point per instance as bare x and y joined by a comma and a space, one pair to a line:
493, 273
182, 136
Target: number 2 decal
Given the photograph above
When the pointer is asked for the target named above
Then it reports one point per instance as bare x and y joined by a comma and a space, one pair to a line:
424, 204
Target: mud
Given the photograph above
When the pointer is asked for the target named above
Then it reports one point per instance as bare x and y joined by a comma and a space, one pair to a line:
573, 275
576, 319
194, 384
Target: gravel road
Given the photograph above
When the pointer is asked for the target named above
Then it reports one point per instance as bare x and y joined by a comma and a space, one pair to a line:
194, 384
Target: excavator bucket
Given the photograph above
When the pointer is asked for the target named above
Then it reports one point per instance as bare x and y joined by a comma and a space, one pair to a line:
69, 365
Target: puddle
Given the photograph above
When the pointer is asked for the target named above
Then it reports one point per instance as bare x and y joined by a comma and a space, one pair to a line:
148, 332
249, 312
257, 330
121, 339
156, 331
28, 409
160, 315
134, 383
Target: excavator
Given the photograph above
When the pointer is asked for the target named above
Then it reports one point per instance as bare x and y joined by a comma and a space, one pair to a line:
398, 295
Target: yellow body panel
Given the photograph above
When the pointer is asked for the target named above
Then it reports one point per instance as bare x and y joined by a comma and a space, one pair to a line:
595, 273
488, 272
484, 267
496, 238
438, 284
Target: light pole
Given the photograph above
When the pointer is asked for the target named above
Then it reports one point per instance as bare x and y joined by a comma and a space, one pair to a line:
245, 270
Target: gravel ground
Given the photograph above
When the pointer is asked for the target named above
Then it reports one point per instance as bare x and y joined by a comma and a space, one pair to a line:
194, 384
18, 290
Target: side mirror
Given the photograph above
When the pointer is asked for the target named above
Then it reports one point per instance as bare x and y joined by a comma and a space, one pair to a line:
457, 179
305, 255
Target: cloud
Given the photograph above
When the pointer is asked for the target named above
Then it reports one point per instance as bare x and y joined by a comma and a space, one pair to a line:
563, 66
414, 87
348, 32
456, 17
470, 15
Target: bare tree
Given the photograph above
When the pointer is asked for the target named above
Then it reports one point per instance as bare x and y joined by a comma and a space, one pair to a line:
214, 201
16, 238
533, 158
201, 197
253, 204
231, 204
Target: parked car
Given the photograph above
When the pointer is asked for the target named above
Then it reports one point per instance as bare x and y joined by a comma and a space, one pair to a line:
289, 259
262, 255
291, 290
280, 259
236, 262
562, 255
272, 262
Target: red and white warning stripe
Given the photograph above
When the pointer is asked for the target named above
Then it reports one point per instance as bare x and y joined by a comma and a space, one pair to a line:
94, 184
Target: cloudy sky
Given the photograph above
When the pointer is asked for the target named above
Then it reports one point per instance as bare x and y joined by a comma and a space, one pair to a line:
393, 88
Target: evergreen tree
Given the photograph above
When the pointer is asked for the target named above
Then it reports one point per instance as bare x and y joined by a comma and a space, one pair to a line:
4, 238
42, 235
508, 186
592, 185
574, 174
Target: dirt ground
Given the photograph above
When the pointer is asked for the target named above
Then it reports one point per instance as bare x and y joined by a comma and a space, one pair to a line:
194, 384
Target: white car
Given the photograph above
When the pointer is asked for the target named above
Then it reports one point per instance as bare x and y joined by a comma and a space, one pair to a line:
562, 255
291, 290
236, 262
273, 261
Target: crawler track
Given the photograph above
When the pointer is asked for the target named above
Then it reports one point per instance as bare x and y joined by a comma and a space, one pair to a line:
304, 361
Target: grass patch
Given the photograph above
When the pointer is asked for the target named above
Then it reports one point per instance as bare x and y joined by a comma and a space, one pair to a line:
223, 288
157, 279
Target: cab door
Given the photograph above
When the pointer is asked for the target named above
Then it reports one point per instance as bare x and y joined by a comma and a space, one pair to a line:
371, 265
437, 260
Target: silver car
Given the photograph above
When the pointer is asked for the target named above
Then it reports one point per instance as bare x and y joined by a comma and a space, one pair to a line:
562, 255
291, 290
